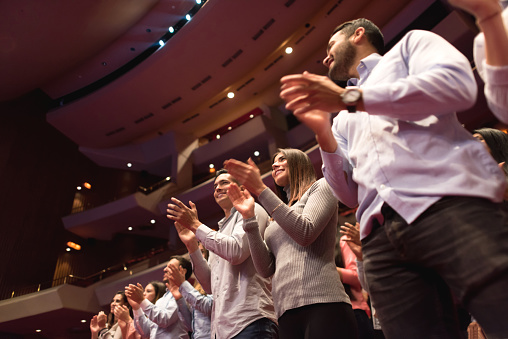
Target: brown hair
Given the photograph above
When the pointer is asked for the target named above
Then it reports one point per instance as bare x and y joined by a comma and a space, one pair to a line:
301, 174
372, 32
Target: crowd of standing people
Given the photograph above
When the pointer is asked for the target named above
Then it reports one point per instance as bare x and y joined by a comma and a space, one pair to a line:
432, 236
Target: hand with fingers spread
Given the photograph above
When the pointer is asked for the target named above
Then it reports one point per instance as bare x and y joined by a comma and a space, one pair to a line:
176, 275
134, 294
351, 235
185, 216
247, 174
242, 200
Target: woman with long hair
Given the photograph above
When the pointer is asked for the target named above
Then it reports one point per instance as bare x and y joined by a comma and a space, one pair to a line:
107, 327
298, 250
153, 291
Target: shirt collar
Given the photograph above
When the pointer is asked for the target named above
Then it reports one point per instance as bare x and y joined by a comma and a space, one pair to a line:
366, 65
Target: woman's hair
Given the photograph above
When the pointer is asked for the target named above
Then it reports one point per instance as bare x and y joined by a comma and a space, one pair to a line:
159, 287
111, 316
498, 143
301, 174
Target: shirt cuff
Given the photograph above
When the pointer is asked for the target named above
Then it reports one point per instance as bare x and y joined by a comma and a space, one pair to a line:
144, 304
202, 231
496, 75
138, 313
185, 287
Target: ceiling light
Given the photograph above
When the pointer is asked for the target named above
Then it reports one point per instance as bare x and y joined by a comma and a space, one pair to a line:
256, 153
188, 17
74, 245
230, 128
217, 136
152, 221
83, 321
129, 228
231, 95
87, 185
129, 164
251, 116
211, 166
38, 330
68, 249
198, 2
78, 188
289, 50
161, 43
168, 178
171, 29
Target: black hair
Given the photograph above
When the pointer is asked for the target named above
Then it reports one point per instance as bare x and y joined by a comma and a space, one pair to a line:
498, 144
186, 264
372, 32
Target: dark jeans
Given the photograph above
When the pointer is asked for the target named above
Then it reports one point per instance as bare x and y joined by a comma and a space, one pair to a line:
316, 321
456, 250
260, 329
365, 327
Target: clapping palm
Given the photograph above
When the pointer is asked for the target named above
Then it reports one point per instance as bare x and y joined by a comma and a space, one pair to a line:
242, 201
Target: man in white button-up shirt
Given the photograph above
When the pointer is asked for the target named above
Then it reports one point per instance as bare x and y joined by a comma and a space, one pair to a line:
242, 305
428, 194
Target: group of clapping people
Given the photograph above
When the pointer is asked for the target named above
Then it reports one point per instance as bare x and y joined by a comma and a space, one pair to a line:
432, 231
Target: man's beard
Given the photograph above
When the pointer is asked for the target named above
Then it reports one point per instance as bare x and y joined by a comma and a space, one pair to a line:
342, 62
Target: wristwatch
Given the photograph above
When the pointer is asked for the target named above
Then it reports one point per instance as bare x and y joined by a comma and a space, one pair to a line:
350, 97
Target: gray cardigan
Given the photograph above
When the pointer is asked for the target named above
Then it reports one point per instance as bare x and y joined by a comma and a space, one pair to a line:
298, 250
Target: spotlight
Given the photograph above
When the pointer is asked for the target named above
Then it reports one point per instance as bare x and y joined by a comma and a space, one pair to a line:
78, 188
231, 95
74, 245
188, 17
256, 153
217, 136
171, 29
251, 116
129, 228
152, 221
211, 166
129, 164
161, 43
289, 50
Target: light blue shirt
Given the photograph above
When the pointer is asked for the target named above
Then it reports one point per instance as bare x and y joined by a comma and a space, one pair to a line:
160, 320
199, 320
408, 149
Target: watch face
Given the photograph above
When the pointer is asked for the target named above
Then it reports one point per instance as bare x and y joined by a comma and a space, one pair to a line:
351, 96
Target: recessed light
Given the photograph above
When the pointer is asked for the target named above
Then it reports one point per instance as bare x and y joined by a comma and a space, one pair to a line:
129, 164
152, 221
289, 50
231, 95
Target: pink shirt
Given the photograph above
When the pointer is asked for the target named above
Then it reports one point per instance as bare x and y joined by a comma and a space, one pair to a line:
350, 277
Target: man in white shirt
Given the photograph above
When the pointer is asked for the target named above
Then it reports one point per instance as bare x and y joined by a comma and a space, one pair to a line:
243, 305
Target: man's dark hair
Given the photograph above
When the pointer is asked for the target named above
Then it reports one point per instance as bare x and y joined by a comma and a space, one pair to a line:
373, 33
186, 264
225, 171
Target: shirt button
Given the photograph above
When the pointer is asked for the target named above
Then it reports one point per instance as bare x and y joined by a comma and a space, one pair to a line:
382, 186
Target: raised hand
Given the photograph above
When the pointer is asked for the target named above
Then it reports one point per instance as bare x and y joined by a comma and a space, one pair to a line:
312, 98
134, 294
310, 92
187, 237
176, 275
185, 216
122, 313
242, 201
481, 9
247, 174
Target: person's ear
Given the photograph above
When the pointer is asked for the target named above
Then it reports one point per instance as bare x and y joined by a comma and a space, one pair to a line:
358, 35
